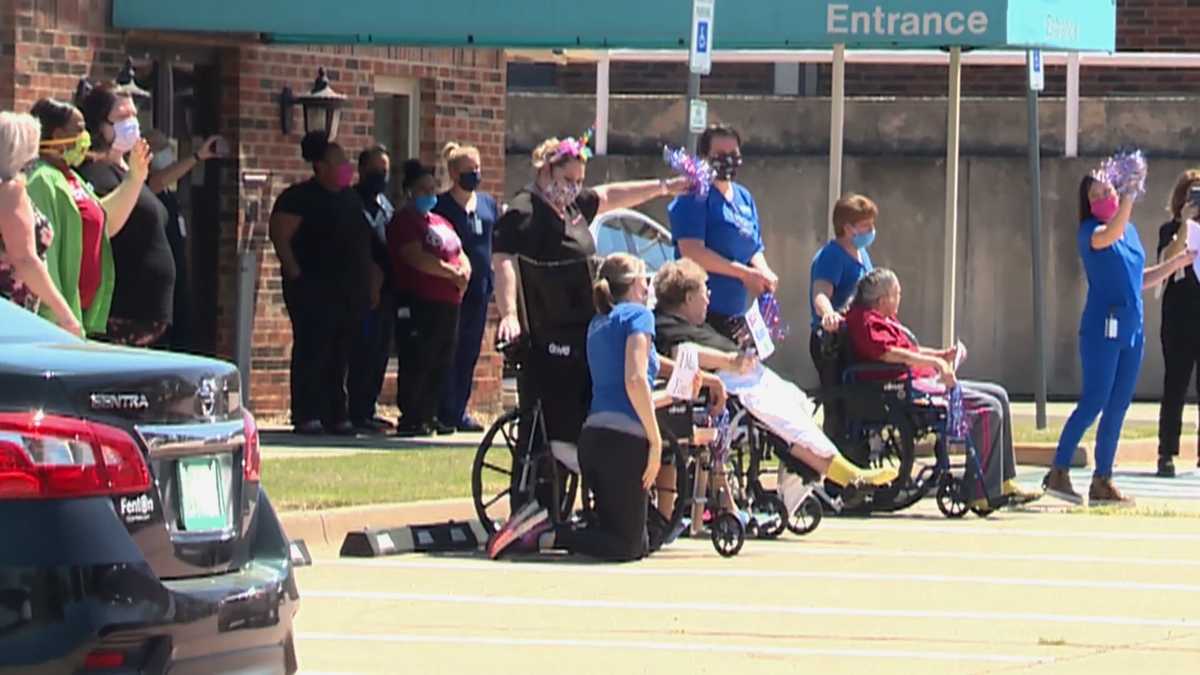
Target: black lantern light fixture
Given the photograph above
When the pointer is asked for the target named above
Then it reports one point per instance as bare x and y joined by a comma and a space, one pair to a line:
322, 107
127, 82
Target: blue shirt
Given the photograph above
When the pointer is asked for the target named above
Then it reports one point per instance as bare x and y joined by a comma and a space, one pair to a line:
731, 229
607, 335
835, 265
475, 232
1114, 277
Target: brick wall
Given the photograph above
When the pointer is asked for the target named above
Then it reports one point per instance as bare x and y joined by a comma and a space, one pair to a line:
49, 44
1142, 25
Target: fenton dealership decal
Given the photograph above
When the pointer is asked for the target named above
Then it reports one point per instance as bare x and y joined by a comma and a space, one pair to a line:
135, 509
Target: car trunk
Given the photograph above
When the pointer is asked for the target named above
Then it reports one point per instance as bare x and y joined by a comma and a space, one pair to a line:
185, 414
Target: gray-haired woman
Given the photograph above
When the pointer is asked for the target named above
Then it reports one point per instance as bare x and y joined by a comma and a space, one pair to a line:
876, 334
25, 234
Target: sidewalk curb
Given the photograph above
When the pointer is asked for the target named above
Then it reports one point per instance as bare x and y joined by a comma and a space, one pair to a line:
329, 527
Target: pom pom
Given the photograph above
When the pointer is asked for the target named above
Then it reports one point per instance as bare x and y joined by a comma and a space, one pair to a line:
699, 174
724, 440
768, 305
1126, 172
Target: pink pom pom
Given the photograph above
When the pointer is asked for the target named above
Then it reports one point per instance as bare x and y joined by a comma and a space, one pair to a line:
699, 174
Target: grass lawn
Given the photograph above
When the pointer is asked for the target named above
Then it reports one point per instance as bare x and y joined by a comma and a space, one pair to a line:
1027, 432
310, 483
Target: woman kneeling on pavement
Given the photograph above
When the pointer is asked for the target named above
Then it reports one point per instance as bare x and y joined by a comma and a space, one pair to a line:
620, 449
876, 334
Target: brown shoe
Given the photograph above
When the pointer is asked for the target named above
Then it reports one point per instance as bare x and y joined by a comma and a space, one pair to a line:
1057, 483
1104, 493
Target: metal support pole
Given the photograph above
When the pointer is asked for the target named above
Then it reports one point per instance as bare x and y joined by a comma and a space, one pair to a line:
692, 95
1035, 244
949, 272
1072, 132
602, 90
837, 126
247, 276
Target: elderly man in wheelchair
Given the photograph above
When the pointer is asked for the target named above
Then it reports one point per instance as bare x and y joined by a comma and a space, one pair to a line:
780, 406
882, 350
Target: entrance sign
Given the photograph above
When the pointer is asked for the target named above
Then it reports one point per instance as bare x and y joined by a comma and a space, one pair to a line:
700, 58
1063, 25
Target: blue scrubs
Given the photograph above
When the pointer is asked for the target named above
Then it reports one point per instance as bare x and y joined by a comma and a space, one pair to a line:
606, 340
1111, 359
728, 227
833, 264
475, 231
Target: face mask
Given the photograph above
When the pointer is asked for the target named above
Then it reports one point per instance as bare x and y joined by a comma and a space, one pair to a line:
470, 181
126, 134
1104, 209
725, 166
344, 176
374, 182
73, 150
424, 203
163, 159
864, 239
563, 193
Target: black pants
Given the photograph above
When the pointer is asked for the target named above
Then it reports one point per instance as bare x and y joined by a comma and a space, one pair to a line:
369, 356
612, 464
427, 336
829, 369
323, 325
1181, 352
459, 380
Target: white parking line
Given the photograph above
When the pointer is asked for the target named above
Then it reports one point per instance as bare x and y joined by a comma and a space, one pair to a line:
725, 572
711, 647
910, 527
760, 610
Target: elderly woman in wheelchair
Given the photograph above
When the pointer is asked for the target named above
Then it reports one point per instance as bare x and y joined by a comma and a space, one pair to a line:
681, 293
620, 447
877, 337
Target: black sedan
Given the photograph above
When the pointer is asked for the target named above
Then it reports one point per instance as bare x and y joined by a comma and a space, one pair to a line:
134, 535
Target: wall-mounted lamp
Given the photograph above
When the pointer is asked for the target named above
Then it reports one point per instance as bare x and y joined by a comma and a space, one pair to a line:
322, 107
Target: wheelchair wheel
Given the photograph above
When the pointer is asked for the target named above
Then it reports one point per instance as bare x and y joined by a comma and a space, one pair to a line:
728, 534
949, 498
806, 517
492, 471
772, 515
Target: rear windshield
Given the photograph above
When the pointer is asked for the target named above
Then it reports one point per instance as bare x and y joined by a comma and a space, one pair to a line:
18, 325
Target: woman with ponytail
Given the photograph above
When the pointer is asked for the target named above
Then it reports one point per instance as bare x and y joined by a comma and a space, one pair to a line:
620, 449
1111, 333
473, 214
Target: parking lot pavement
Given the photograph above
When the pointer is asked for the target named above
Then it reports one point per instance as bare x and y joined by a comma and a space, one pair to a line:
1030, 592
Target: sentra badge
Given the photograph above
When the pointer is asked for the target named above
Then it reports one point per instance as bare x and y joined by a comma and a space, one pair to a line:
119, 402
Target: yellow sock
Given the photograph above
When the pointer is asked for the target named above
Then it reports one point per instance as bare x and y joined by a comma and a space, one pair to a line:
843, 473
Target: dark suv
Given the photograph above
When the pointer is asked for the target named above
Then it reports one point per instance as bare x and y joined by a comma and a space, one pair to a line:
134, 535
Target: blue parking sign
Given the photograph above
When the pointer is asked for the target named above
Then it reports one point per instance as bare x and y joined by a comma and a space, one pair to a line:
702, 37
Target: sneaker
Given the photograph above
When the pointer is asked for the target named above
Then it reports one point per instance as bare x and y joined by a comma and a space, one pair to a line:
879, 477
309, 428
1104, 493
409, 429
441, 429
1166, 467
685, 524
1057, 483
343, 428
1019, 496
372, 426
469, 425
791, 488
529, 519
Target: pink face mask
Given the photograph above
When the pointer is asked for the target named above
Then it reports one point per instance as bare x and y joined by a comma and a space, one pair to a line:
1104, 209
345, 175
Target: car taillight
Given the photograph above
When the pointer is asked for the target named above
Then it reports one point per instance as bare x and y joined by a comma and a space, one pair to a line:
104, 659
251, 457
52, 457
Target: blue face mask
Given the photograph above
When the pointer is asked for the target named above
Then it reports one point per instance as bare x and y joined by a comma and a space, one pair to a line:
864, 239
425, 203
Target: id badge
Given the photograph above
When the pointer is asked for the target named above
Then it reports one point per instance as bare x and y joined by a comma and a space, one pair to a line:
1111, 327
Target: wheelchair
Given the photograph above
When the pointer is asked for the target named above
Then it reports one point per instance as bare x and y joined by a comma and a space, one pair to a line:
517, 461
880, 421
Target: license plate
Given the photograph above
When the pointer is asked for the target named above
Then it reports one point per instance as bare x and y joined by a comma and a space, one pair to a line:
202, 494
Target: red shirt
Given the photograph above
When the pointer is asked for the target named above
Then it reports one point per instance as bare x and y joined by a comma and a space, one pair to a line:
438, 238
871, 336
92, 215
